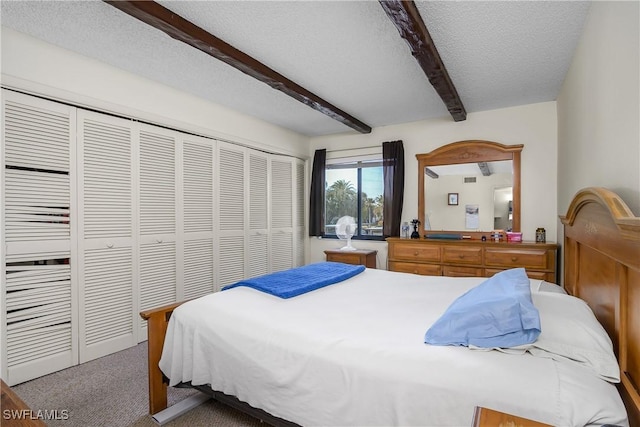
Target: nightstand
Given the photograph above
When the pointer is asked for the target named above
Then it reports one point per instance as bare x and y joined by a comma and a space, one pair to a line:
364, 257
485, 417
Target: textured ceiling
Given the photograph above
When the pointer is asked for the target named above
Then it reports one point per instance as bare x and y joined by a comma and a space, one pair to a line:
498, 54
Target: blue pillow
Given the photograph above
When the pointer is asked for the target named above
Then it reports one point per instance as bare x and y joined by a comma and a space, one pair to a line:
496, 313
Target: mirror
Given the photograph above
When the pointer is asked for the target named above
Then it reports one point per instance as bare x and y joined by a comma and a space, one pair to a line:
469, 188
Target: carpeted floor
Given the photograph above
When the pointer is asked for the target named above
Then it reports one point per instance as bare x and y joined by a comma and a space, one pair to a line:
112, 391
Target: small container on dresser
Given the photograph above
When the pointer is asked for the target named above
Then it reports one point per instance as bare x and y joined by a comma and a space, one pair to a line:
366, 257
514, 237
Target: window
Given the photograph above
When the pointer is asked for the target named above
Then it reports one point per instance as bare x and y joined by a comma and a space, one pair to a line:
355, 189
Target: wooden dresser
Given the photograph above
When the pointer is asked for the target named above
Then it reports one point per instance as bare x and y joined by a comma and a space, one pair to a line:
472, 257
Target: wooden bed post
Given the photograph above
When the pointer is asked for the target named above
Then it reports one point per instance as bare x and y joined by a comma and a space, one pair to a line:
157, 321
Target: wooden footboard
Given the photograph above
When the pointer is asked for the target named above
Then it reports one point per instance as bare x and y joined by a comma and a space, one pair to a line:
157, 321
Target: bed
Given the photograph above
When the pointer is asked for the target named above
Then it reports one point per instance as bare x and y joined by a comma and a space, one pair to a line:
334, 357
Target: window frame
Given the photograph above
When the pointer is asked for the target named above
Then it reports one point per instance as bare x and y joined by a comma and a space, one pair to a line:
358, 165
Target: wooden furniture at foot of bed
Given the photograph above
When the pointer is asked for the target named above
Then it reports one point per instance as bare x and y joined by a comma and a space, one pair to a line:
485, 417
16, 413
157, 322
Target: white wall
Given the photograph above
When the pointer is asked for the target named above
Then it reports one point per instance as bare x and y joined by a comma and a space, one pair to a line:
533, 125
598, 107
37, 67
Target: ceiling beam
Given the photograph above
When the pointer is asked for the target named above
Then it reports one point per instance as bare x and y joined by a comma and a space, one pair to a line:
405, 16
484, 168
185, 31
431, 174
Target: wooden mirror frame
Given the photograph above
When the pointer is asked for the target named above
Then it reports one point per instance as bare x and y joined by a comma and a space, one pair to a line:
470, 151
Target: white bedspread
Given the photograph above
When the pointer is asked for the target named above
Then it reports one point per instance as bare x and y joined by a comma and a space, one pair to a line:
352, 354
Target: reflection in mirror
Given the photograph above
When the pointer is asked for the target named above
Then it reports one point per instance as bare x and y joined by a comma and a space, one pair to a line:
503, 208
484, 188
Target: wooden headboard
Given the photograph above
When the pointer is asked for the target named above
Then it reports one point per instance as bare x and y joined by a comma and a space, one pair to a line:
602, 267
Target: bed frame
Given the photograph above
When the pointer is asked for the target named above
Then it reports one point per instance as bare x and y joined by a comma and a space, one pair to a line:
601, 266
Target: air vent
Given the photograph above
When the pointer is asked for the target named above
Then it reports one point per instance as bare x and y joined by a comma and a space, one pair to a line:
469, 179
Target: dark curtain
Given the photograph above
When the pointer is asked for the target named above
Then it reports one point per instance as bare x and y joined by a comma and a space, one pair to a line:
316, 202
393, 176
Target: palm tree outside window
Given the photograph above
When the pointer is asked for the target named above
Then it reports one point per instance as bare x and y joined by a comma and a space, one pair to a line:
355, 189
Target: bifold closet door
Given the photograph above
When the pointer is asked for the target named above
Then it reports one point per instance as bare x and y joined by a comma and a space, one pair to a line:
299, 217
107, 297
258, 239
231, 207
39, 327
158, 267
103, 217
282, 194
198, 207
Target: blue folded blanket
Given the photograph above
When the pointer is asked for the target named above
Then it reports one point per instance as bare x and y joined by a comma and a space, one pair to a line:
296, 281
498, 312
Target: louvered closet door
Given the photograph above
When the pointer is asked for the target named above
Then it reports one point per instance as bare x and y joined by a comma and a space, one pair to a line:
157, 229
231, 192
106, 266
198, 217
39, 330
299, 217
282, 189
258, 213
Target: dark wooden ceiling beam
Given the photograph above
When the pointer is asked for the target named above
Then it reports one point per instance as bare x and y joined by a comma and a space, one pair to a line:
405, 16
484, 168
185, 31
430, 173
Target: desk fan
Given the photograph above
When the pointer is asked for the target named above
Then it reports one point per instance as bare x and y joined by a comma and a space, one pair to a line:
345, 229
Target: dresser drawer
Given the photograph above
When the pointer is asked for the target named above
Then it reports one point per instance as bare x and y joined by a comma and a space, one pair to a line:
413, 252
511, 258
462, 255
423, 269
531, 274
457, 271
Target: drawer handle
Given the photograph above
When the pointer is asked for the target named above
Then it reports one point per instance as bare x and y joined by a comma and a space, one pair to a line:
110, 245
514, 258
461, 256
415, 271
416, 253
